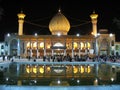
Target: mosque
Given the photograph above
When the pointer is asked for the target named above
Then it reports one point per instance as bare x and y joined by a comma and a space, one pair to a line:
59, 43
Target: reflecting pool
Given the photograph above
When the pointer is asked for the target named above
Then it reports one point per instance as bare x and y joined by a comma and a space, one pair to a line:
60, 73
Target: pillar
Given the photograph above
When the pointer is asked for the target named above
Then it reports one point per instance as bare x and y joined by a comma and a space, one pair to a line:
64, 52
44, 48
72, 49
18, 47
79, 49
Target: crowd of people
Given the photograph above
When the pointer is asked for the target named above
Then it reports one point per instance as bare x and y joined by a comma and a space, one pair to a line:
61, 58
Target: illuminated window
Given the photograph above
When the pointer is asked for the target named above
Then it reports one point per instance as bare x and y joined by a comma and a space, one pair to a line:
35, 45
28, 45
41, 45
82, 45
88, 45
75, 45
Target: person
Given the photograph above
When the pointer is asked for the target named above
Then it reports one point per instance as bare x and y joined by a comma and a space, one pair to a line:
29, 58
44, 58
34, 60
53, 58
3, 57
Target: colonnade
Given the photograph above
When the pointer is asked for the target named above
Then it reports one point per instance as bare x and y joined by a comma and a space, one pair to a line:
42, 48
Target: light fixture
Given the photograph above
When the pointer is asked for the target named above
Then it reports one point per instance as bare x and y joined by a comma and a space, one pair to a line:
111, 35
36, 34
58, 34
77, 34
8, 35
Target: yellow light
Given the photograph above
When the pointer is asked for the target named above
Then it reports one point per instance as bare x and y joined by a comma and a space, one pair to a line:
85, 69
34, 44
92, 33
48, 69
94, 15
82, 45
41, 70
88, 45
28, 69
75, 45
89, 70
35, 69
75, 69
41, 45
21, 15
48, 46
28, 44
82, 69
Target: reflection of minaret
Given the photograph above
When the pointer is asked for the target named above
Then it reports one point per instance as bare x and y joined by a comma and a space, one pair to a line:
21, 17
94, 17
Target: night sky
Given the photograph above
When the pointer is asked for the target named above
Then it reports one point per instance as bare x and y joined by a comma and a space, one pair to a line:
39, 13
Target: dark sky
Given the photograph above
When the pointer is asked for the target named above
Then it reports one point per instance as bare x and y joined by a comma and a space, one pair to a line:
40, 12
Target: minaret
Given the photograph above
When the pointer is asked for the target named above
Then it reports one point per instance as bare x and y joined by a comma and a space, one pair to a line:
94, 17
21, 17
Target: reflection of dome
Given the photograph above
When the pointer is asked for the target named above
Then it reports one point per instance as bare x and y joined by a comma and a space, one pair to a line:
59, 24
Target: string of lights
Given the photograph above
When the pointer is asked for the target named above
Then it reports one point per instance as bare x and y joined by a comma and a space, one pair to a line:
42, 26
45, 26
41, 19
80, 24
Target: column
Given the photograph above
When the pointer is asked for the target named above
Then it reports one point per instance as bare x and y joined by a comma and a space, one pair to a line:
30, 49
18, 47
96, 46
72, 49
44, 47
79, 48
65, 48
64, 52
37, 49
86, 48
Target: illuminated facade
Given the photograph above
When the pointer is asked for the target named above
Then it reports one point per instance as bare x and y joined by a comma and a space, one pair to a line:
59, 43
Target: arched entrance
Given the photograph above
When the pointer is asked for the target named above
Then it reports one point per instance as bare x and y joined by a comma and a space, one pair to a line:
104, 47
58, 49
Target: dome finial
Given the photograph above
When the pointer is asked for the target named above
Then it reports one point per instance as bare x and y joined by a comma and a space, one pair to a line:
59, 10
21, 11
93, 11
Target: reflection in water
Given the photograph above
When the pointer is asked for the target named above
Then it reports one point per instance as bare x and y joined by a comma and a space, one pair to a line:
67, 74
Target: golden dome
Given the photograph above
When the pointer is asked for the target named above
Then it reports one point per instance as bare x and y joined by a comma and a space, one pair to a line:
59, 24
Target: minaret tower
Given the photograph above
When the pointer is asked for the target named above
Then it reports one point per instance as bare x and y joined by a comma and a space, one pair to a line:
94, 17
21, 17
